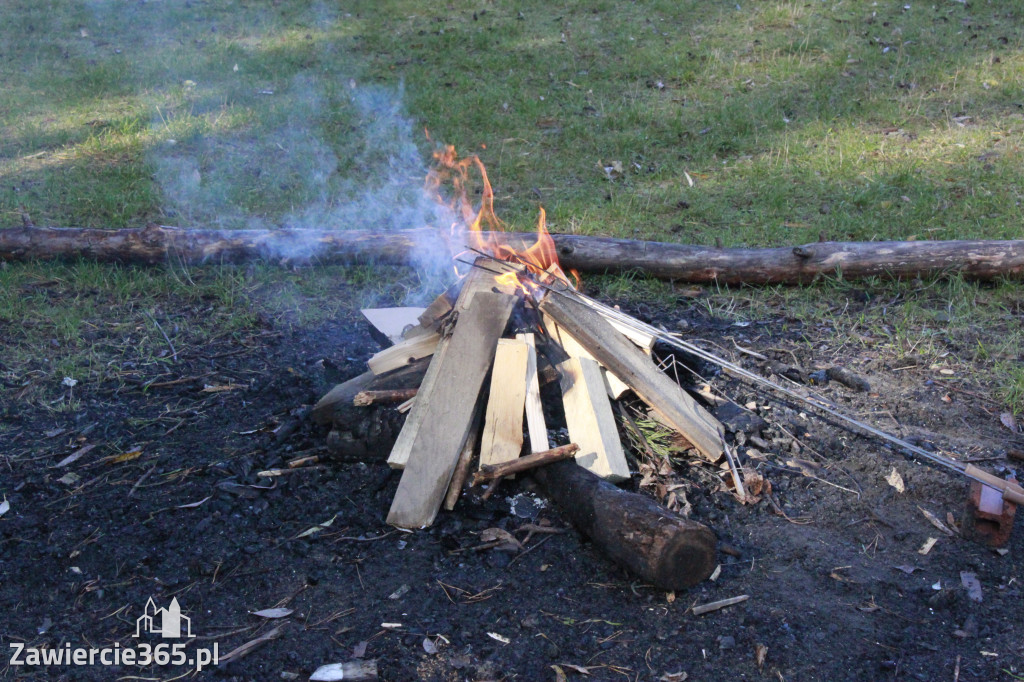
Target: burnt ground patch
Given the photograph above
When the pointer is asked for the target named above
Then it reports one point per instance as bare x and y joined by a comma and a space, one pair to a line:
168, 503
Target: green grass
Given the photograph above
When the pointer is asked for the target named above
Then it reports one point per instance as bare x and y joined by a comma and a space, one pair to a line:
749, 124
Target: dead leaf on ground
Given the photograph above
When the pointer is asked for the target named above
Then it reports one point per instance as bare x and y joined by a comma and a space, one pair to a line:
896, 481
927, 546
123, 457
906, 568
318, 528
804, 466
559, 674
760, 653
5, 507
755, 486
507, 540
1009, 421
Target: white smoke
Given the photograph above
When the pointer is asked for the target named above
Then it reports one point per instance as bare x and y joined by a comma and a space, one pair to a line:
232, 147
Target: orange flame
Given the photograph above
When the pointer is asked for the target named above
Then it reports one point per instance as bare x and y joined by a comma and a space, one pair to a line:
477, 226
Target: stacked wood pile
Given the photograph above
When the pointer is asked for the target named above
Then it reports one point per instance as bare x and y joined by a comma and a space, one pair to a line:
469, 382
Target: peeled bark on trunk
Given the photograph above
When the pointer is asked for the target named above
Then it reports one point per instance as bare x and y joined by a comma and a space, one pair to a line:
656, 544
153, 244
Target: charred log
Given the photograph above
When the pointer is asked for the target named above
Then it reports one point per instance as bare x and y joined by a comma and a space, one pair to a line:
654, 543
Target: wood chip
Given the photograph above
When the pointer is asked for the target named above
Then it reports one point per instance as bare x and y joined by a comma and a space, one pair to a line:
934, 520
75, 456
252, 644
716, 605
927, 546
357, 671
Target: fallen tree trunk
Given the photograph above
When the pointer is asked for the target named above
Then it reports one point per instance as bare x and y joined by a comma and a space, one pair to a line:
154, 244
658, 545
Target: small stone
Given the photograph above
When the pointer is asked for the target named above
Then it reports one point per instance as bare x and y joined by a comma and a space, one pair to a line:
726, 642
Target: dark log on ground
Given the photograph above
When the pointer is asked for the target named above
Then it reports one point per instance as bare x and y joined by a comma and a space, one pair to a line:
337, 406
365, 434
155, 244
656, 544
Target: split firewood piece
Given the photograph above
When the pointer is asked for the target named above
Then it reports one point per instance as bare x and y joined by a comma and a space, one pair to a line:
447, 409
658, 545
403, 353
395, 395
615, 386
535, 424
588, 411
590, 420
476, 280
628, 362
503, 426
644, 340
538, 459
441, 306
393, 322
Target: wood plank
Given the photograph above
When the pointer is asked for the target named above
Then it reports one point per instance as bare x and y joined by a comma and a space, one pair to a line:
502, 440
403, 353
440, 306
615, 386
589, 417
447, 409
636, 369
476, 280
535, 425
393, 322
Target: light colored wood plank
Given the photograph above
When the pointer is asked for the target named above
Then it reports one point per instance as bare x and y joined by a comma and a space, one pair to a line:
502, 440
588, 414
476, 280
535, 425
630, 363
392, 322
615, 386
448, 410
403, 353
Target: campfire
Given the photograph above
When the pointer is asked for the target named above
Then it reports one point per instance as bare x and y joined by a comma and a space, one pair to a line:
467, 371
465, 374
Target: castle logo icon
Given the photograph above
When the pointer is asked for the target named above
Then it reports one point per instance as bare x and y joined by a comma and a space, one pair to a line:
166, 622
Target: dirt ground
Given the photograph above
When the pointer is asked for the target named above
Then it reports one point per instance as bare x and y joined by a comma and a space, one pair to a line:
168, 503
